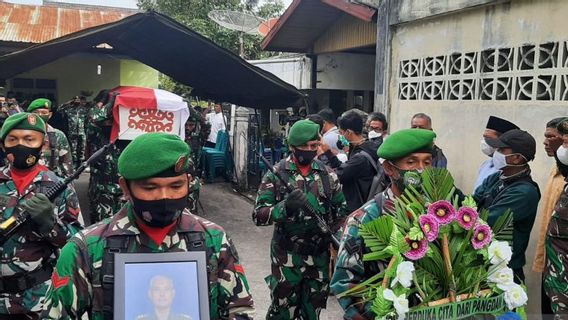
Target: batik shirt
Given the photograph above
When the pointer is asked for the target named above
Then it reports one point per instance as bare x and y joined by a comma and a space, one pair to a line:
27, 251
76, 286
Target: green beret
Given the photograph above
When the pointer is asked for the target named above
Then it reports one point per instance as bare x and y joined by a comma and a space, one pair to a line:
303, 131
40, 103
404, 142
22, 120
154, 155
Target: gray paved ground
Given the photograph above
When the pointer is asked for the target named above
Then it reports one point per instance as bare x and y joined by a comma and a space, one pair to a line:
233, 212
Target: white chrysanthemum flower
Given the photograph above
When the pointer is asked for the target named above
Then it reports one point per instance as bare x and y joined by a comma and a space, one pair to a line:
515, 296
403, 274
400, 303
499, 252
502, 276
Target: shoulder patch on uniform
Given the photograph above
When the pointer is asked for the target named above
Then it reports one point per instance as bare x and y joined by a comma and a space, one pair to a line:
58, 281
239, 269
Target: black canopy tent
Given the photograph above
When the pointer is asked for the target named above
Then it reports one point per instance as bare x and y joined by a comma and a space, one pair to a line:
173, 49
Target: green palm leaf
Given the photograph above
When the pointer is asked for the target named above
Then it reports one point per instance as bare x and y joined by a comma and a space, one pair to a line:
503, 227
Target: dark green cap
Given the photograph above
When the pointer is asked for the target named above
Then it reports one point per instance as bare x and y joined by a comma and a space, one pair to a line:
154, 155
404, 142
41, 103
22, 120
303, 131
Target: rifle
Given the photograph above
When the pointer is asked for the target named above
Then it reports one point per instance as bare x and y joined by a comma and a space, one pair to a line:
9, 227
307, 207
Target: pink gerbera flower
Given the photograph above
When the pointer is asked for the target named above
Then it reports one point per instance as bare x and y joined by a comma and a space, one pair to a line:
443, 211
429, 226
467, 217
417, 250
481, 236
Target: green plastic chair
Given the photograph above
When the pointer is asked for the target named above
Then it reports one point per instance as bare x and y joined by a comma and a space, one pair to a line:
216, 158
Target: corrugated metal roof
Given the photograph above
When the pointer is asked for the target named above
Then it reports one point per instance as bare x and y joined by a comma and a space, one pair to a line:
38, 24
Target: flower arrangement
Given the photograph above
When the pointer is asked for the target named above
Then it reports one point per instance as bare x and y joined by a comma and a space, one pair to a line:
444, 260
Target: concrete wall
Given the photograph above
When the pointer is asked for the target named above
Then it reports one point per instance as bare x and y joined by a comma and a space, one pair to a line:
506, 59
135, 73
79, 72
459, 123
346, 71
295, 71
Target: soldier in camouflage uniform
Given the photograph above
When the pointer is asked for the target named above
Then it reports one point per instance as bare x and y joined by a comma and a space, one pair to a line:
56, 154
195, 143
30, 252
105, 195
299, 281
154, 178
77, 111
405, 152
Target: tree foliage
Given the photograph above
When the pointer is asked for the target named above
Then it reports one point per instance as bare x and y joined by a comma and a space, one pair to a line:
193, 14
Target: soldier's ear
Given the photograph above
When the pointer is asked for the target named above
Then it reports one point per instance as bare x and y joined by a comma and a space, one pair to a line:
124, 187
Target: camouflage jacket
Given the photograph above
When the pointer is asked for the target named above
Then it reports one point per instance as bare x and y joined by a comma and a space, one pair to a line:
77, 118
56, 144
78, 287
350, 269
27, 251
270, 207
105, 170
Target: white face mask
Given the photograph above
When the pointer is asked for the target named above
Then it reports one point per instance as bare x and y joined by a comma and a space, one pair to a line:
373, 134
562, 154
486, 149
499, 160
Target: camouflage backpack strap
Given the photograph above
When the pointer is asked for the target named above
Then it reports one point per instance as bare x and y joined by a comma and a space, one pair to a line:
113, 244
281, 170
325, 180
326, 183
52, 137
195, 241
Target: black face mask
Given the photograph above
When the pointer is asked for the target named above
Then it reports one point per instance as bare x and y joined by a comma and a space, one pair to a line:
158, 213
304, 157
24, 157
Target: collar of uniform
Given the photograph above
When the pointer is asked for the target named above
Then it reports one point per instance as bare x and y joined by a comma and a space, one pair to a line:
6, 175
291, 166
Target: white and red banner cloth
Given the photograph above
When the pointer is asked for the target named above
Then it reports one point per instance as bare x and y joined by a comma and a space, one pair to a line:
139, 110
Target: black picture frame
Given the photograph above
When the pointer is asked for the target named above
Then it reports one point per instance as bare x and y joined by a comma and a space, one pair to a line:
135, 274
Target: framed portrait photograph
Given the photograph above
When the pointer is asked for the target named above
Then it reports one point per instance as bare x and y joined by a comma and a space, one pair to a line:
154, 286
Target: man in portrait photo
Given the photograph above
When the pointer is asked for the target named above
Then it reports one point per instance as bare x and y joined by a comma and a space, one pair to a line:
162, 293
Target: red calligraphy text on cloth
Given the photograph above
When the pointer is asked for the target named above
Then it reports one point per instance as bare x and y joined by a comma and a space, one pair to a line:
151, 120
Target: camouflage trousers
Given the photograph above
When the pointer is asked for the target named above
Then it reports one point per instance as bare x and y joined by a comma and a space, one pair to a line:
78, 144
299, 285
